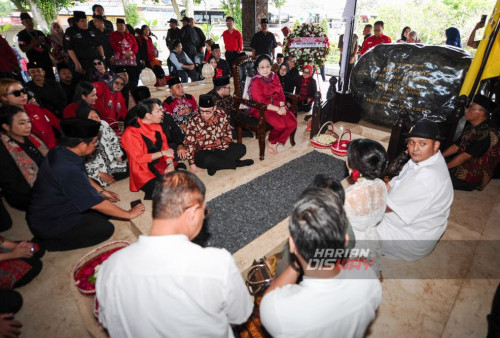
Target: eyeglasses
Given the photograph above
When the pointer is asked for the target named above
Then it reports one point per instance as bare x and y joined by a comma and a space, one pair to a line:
119, 83
18, 93
306, 72
97, 63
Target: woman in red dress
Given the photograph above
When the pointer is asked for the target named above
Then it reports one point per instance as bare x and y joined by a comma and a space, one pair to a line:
266, 88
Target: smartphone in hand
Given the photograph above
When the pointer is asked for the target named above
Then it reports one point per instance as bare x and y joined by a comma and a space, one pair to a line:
134, 203
483, 18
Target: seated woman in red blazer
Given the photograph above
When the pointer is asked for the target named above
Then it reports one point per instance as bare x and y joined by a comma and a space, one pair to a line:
266, 88
147, 148
306, 88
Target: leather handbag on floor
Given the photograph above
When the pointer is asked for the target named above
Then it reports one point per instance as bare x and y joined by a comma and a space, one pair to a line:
259, 277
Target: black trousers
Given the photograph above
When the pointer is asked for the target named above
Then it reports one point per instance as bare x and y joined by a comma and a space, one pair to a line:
459, 184
10, 301
494, 316
149, 188
230, 58
92, 229
220, 159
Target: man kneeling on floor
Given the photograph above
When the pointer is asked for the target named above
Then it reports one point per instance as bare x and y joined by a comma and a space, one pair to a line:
418, 199
68, 210
330, 301
208, 140
165, 286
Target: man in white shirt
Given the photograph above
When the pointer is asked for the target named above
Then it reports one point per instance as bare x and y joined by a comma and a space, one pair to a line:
419, 198
332, 300
165, 286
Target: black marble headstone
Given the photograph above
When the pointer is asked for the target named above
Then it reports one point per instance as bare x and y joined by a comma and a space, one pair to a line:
420, 78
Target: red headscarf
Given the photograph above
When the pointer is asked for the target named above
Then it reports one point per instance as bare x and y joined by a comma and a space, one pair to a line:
286, 30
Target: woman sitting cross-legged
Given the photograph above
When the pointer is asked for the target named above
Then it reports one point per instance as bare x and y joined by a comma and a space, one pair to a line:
208, 140
107, 164
21, 154
85, 95
147, 148
306, 88
266, 88
366, 200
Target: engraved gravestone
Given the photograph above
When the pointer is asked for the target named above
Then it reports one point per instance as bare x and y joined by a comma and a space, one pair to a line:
419, 78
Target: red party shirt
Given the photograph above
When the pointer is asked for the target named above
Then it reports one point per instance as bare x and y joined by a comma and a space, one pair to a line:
42, 122
233, 41
373, 41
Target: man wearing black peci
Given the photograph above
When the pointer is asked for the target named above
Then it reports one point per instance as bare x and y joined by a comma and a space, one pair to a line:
68, 210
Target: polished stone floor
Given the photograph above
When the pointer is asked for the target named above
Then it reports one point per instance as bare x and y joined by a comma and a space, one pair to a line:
410, 307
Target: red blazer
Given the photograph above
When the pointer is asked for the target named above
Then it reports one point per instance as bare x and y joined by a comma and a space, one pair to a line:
265, 92
42, 122
116, 38
137, 152
111, 106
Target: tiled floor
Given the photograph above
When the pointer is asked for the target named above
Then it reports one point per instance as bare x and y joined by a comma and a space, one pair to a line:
410, 307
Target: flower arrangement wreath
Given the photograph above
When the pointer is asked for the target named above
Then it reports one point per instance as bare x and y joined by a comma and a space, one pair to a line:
315, 56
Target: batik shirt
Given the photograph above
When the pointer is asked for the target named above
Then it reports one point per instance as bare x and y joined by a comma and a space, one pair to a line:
181, 109
207, 135
477, 141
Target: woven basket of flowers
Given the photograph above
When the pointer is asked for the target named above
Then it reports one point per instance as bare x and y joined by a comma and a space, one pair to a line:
86, 269
325, 137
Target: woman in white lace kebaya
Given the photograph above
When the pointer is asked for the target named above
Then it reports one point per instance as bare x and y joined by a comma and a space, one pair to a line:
366, 200
107, 164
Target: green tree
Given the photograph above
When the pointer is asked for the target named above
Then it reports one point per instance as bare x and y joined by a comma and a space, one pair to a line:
278, 4
6, 7
43, 11
233, 8
132, 16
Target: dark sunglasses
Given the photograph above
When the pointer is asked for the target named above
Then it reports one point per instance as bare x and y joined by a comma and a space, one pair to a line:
97, 63
18, 93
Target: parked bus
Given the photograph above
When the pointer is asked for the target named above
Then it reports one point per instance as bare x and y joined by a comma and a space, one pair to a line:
209, 16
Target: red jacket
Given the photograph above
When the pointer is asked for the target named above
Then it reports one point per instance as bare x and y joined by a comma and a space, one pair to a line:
372, 41
137, 152
233, 42
265, 92
42, 122
118, 41
111, 106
